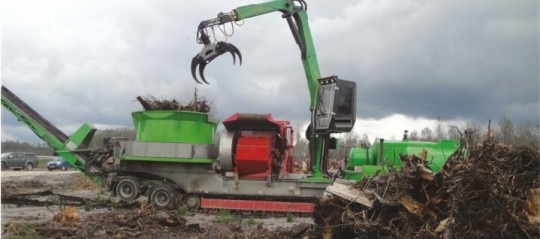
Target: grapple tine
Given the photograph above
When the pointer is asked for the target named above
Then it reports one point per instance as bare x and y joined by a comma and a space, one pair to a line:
194, 64
201, 71
236, 51
233, 57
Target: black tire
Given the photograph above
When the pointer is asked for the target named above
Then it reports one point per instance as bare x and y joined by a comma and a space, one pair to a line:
193, 202
162, 197
128, 189
309, 132
4, 166
50, 169
29, 166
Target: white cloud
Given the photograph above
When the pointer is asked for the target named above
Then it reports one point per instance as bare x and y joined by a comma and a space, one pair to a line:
393, 126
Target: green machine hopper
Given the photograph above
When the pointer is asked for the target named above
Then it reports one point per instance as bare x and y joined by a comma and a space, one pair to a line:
174, 126
171, 136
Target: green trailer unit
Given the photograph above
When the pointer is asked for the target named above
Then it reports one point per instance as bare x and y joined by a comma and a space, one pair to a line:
383, 155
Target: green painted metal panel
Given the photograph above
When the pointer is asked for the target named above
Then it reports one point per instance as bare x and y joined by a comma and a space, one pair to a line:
370, 161
174, 126
81, 138
316, 180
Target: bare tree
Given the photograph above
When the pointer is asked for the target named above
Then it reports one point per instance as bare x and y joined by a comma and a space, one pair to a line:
453, 132
301, 147
426, 134
527, 134
476, 136
364, 142
439, 129
20, 146
414, 135
350, 140
506, 130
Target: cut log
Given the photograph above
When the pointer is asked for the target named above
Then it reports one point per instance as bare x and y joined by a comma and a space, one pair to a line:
345, 190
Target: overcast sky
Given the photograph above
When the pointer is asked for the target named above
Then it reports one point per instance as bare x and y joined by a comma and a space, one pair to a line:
85, 61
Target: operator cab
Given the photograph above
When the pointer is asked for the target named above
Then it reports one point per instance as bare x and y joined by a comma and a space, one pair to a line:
335, 111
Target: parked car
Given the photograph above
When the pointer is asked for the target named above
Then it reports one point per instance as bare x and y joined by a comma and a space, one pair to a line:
58, 163
26, 161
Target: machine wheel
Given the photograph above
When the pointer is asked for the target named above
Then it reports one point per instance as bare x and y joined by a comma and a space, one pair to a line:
50, 169
162, 196
29, 166
4, 166
128, 189
193, 202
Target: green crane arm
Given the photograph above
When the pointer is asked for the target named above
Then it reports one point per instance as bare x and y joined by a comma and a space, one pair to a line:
298, 22
294, 11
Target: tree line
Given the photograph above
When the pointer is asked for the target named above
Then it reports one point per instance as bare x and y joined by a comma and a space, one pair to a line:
41, 148
504, 131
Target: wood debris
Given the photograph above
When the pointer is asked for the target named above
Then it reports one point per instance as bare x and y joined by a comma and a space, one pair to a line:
68, 217
342, 189
492, 191
197, 104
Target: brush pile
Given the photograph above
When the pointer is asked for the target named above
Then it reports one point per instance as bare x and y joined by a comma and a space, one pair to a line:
492, 191
198, 104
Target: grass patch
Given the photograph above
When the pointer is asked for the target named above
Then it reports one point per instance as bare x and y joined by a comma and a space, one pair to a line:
20, 230
184, 211
225, 216
252, 221
290, 217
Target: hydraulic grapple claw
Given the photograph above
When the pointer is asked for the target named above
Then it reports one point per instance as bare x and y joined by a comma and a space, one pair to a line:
209, 52
194, 62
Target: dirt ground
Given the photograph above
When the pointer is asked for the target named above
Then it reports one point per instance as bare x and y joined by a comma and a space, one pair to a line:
57, 204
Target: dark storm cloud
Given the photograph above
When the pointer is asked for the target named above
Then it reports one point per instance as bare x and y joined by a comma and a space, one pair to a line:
455, 59
86, 61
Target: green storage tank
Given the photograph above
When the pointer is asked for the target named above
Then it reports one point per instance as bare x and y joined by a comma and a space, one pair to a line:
174, 126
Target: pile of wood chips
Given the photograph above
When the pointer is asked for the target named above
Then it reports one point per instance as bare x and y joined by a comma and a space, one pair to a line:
492, 191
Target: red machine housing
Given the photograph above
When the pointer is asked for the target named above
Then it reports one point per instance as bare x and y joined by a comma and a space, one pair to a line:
257, 205
262, 145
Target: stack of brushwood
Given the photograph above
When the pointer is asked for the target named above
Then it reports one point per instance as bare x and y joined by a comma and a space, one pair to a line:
487, 191
196, 105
